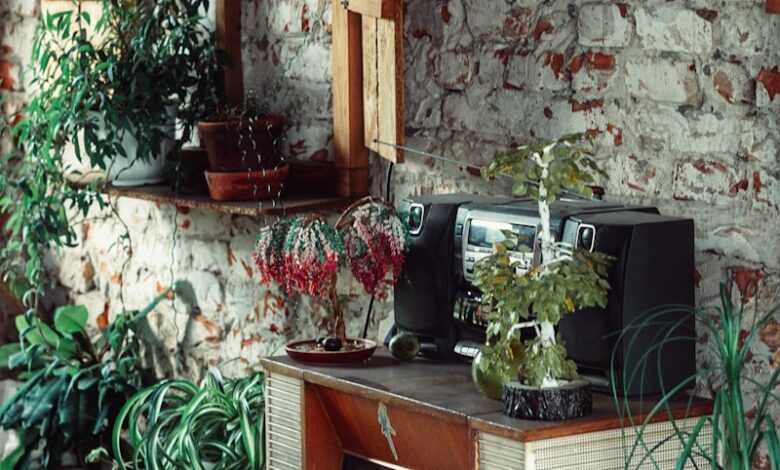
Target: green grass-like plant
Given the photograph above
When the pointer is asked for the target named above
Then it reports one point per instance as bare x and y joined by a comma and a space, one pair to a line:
176, 424
737, 438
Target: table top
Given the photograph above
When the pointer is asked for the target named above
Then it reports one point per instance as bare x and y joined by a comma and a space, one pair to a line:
446, 391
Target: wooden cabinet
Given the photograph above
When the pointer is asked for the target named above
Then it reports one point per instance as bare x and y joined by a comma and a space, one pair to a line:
425, 415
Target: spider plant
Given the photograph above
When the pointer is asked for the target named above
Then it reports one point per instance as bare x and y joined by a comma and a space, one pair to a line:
176, 424
736, 436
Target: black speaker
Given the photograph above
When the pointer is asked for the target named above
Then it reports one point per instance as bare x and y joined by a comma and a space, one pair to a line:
424, 296
654, 267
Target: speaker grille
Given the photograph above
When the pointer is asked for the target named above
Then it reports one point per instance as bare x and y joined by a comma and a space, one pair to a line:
603, 450
284, 430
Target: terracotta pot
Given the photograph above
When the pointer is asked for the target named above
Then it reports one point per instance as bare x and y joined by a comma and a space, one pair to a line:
773, 6
242, 145
247, 186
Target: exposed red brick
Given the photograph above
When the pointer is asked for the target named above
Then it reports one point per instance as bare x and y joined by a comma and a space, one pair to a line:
770, 78
231, 257
617, 133
587, 105
186, 224
102, 319
741, 185
723, 85
209, 325
503, 55
250, 341
182, 209
757, 184
555, 61
701, 165
305, 27
517, 24
593, 60
548, 112
513, 87
692, 67
592, 133
635, 186
320, 155
247, 268
747, 282
542, 27
601, 61
720, 167
6, 80
445, 14
707, 14
421, 33
623, 9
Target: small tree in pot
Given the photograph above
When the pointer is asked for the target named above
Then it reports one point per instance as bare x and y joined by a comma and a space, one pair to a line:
304, 255
562, 281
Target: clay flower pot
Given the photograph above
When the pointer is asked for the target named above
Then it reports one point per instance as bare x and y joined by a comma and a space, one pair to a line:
241, 144
773, 6
247, 186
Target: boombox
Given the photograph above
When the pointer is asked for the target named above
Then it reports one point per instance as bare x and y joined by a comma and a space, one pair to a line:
653, 266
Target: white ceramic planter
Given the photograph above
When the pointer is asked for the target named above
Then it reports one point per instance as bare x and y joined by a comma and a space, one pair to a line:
123, 171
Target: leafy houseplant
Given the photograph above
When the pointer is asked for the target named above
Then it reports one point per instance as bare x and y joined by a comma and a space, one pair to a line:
176, 424
304, 254
563, 281
99, 82
72, 386
737, 432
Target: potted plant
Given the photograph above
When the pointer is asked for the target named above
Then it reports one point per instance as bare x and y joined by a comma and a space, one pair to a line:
178, 424
243, 152
742, 425
100, 82
304, 255
72, 385
535, 373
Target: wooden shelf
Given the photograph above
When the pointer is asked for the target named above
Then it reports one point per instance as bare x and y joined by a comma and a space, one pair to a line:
289, 204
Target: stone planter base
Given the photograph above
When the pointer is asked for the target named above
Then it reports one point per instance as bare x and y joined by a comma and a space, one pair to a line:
571, 400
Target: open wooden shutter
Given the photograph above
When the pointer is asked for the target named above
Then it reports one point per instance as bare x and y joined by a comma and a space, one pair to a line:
368, 81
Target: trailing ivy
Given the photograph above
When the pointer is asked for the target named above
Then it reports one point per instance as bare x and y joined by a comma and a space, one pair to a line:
97, 80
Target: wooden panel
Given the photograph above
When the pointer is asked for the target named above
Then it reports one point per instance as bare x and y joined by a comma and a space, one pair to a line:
370, 82
374, 8
383, 85
321, 442
229, 39
356, 421
347, 71
391, 85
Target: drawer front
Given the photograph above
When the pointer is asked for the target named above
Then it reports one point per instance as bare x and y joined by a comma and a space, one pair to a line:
284, 425
395, 434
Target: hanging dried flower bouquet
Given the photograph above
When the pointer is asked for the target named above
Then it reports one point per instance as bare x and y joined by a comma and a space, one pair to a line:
305, 254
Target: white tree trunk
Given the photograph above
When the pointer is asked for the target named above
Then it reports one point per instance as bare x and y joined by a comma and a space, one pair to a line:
546, 329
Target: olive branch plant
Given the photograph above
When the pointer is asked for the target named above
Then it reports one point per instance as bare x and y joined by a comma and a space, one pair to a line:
564, 280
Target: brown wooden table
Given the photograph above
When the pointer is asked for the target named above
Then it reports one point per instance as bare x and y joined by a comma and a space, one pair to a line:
316, 415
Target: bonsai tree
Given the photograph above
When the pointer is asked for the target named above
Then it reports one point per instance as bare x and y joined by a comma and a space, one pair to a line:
562, 281
304, 255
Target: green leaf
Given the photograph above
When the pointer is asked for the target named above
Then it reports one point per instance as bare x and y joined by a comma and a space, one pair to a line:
71, 319
6, 351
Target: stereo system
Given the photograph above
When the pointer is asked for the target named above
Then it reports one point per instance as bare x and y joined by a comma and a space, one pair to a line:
436, 299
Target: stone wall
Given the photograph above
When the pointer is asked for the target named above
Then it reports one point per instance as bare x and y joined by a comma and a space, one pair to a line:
680, 97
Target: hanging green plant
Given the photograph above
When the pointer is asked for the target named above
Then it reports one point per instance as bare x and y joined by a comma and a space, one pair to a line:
97, 82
